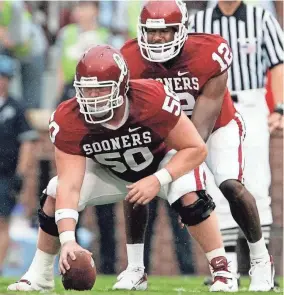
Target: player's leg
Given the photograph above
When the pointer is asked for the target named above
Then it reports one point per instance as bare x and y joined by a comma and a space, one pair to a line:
203, 229
149, 233
40, 273
135, 225
128, 279
106, 224
226, 161
134, 277
187, 195
96, 190
183, 243
257, 173
196, 211
228, 226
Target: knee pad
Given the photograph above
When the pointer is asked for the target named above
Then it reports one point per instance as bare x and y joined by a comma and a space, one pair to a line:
197, 212
46, 223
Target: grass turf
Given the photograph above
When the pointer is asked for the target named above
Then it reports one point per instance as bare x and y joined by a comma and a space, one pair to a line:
156, 286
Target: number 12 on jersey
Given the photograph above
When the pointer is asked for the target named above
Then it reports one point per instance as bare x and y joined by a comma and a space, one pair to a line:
224, 56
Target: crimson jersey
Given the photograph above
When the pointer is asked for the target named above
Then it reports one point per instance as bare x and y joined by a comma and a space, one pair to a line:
203, 57
131, 151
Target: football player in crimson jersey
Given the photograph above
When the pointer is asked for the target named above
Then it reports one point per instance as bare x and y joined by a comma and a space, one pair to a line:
195, 67
134, 131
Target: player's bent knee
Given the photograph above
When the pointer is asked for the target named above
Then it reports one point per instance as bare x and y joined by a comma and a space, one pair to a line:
198, 211
47, 223
189, 198
232, 189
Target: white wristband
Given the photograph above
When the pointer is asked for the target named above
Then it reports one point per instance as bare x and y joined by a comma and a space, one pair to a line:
67, 236
66, 213
163, 176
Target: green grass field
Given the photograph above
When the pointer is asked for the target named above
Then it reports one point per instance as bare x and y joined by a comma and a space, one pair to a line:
157, 286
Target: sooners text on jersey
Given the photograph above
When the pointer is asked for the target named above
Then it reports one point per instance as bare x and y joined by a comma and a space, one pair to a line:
203, 57
133, 150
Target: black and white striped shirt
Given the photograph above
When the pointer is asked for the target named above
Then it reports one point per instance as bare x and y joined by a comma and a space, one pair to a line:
255, 37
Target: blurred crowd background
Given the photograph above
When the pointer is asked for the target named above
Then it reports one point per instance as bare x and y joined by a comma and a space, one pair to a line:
40, 43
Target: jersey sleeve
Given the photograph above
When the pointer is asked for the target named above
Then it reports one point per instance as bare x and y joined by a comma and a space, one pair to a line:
132, 56
220, 56
166, 110
125, 48
62, 135
210, 54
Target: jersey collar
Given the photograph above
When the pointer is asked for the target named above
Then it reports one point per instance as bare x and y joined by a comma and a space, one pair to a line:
124, 119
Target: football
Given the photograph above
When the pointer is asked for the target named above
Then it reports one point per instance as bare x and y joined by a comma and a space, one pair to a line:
82, 273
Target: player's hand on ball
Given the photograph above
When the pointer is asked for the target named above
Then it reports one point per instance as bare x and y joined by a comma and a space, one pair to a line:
68, 249
143, 191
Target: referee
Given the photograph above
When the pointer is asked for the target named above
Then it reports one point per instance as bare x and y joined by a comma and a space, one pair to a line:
257, 43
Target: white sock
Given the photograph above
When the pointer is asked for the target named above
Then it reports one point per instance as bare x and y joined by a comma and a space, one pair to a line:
233, 262
43, 264
258, 250
215, 253
135, 255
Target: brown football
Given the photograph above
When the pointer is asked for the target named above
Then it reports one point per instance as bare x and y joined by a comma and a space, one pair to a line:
82, 273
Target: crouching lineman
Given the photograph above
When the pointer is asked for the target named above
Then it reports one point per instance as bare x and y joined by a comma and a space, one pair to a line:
141, 151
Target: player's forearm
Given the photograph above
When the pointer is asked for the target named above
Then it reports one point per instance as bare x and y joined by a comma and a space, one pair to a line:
186, 160
205, 115
66, 199
277, 83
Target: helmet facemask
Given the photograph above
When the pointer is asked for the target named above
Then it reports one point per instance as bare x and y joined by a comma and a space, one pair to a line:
99, 109
161, 52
